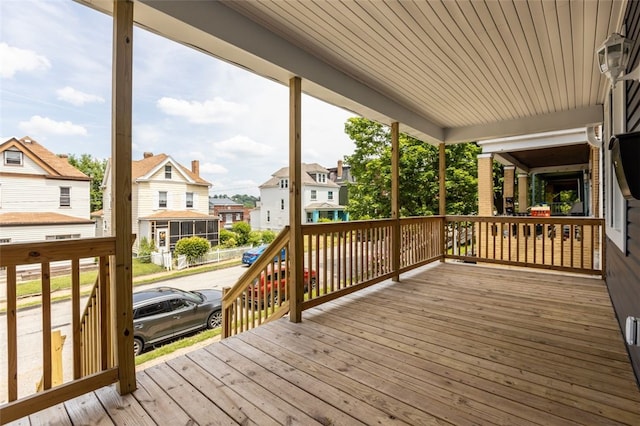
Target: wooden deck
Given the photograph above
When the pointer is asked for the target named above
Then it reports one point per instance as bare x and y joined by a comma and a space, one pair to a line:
450, 344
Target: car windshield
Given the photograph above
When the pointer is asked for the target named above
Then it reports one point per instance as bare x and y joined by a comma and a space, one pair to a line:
191, 295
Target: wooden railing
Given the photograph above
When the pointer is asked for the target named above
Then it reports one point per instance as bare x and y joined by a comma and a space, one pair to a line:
91, 332
262, 292
339, 258
559, 243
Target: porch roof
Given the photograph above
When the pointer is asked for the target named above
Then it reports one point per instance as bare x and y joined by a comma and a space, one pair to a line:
446, 71
452, 343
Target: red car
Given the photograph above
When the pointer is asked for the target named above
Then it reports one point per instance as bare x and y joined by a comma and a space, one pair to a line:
275, 280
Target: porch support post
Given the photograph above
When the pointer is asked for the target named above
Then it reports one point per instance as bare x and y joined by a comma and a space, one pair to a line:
296, 247
121, 263
523, 192
508, 188
395, 199
485, 185
442, 170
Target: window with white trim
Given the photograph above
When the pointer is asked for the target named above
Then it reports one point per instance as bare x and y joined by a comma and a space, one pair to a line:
65, 196
284, 183
282, 204
314, 194
615, 204
330, 195
268, 216
189, 203
61, 237
162, 199
12, 158
167, 171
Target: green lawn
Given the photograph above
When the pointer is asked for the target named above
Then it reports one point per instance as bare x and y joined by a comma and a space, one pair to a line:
63, 282
178, 344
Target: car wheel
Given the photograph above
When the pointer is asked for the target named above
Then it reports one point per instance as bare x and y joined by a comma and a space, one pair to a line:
215, 320
313, 282
138, 345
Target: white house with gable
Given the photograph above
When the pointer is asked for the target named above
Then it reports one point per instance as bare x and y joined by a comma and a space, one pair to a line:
320, 198
168, 202
42, 196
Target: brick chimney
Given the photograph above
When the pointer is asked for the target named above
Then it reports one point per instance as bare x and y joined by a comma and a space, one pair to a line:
147, 154
339, 169
195, 167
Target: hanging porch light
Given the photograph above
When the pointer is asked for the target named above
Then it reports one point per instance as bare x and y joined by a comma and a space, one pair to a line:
613, 57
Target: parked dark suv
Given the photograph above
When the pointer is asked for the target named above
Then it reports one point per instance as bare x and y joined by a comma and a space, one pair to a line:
164, 313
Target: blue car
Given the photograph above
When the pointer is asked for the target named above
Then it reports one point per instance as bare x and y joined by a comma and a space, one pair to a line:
252, 255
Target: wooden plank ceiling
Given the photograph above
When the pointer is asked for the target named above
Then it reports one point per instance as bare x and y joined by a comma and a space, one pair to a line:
446, 70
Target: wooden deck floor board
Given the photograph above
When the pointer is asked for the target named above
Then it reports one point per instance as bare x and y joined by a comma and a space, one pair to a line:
450, 344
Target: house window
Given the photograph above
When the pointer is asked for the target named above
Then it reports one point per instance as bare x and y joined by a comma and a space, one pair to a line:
162, 199
321, 178
13, 158
616, 205
268, 216
282, 204
65, 196
284, 183
189, 200
314, 194
330, 195
61, 237
5, 240
238, 216
167, 171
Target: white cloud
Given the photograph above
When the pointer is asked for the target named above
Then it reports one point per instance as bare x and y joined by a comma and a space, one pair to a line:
76, 97
43, 125
15, 59
241, 146
213, 168
212, 111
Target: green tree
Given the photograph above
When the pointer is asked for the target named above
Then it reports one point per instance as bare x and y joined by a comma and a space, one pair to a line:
146, 248
370, 194
192, 247
242, 230
227, 238
245, 199
94, 168
268, 236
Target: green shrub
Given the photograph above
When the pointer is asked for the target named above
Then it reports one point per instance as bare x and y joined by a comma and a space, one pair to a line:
192, 247
243, 231
227, 238
268, 236
145, 250
255, 238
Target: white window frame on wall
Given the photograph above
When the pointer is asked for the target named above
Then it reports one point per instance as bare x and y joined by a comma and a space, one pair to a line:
615, 204
65, 196
17, 161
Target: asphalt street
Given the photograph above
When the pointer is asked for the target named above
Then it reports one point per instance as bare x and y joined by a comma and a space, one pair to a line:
30, 328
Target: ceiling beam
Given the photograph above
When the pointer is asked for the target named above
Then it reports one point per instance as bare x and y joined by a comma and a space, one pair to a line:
580, 117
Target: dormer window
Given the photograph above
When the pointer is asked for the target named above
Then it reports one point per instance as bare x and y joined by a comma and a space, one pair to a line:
13, 158
284, 183
167, 171
321, 177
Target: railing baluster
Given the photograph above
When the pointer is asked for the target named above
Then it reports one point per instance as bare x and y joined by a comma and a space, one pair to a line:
46, 326
12, 334
75, 318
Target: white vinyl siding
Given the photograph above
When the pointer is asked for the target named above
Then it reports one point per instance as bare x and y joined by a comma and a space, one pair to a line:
23, 234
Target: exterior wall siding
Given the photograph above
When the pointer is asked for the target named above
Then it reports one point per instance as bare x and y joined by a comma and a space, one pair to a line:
623, 269
23, 234
37, 194
28, 167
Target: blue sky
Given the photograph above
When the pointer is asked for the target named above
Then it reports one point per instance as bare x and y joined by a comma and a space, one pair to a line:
55, 86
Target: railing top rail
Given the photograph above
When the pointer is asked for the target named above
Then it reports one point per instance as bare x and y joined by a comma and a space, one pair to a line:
315, 228
51, 251
265, 258
569, 220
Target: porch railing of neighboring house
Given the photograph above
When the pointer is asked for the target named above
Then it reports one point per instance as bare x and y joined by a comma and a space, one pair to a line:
93, 363
567, 244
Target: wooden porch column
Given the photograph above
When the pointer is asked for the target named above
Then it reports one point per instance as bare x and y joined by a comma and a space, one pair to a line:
508, 188
485, 185
120, 265
442, 170
395, 199
523, 192
295, 200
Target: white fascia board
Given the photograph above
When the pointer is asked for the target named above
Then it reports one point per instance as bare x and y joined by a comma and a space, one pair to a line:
560, 169
562, 120
535, 141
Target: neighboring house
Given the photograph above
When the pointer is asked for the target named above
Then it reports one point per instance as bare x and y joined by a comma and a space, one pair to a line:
319, 198
42, 196
169, 202
228, 211
342, 176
